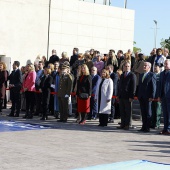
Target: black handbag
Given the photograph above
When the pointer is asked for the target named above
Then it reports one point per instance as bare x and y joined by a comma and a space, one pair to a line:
84, 96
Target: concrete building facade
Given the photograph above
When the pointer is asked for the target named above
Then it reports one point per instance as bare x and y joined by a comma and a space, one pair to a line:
73, 23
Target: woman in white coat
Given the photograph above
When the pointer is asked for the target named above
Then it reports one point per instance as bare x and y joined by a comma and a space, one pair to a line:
103, 97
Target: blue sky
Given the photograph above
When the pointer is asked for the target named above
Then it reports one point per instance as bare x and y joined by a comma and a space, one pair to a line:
145, 12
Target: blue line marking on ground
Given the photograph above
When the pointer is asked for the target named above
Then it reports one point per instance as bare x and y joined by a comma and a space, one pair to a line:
6, 126
130, 165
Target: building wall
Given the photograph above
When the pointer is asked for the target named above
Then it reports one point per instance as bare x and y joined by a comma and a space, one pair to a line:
23, 29
74, 23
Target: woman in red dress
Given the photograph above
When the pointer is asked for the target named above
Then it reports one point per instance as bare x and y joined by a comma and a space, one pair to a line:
84, 88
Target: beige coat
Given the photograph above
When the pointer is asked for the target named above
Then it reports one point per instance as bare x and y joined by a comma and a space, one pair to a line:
138, 69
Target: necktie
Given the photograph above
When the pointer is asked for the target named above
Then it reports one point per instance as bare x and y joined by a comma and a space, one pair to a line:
125, 74
143, 78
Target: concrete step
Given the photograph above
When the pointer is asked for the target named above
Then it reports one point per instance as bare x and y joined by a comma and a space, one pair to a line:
136, 106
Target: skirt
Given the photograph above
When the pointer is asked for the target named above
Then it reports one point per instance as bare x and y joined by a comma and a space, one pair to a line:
83, 105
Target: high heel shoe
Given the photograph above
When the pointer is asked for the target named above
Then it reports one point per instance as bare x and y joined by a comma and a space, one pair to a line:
82, 122
44, 118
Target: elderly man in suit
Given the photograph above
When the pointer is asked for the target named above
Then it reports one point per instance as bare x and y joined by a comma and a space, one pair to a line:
126, 92
15, 87
64, 91
146, 94
164, 96
93, 104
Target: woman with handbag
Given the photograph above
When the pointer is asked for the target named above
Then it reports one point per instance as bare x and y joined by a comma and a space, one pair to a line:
103, 97
84, 88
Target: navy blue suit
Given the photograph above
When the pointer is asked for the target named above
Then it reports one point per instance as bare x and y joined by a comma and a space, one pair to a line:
127, 88
15, 79
93, 104
114, 78
147, 89
164, 94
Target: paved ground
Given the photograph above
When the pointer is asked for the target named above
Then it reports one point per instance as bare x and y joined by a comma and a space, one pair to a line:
70, 145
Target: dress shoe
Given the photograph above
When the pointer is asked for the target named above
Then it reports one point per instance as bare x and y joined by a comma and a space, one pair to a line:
126, 128
59, 120
146, 130
30, 116
162, 132
110, 121
120, 127
167, 133
100, 125
44, 118
141, 130
11, 115
16, 115
25, 116
64, 121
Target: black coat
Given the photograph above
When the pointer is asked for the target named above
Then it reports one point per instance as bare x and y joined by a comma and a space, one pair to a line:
84, 86
147, 88
16, 78
45, 84
127, 86
73, 59
114, 77
53, 59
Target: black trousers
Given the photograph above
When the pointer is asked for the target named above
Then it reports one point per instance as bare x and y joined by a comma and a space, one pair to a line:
38, 98
63, 108
103, 119
146, 111
126, 112
30, 101
112, 115
16, 100
45, 102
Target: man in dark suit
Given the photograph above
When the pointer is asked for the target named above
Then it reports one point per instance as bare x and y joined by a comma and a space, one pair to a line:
164, 96
93, 104
54, 57
114, 78
15, 87
74, 57
126, 92
146, 94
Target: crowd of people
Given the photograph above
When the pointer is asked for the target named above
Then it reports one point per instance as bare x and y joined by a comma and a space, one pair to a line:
101, 86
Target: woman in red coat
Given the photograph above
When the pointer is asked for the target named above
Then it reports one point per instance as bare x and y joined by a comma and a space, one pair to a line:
3, 79
29, 87
84, 88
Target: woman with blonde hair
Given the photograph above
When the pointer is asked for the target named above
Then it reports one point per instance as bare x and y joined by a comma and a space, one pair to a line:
103, 97
112, 60
45, 88
29, 87
127, 58
84, 88
3, 79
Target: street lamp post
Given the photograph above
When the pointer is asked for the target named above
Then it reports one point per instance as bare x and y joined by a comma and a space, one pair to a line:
125, 4
155, 31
